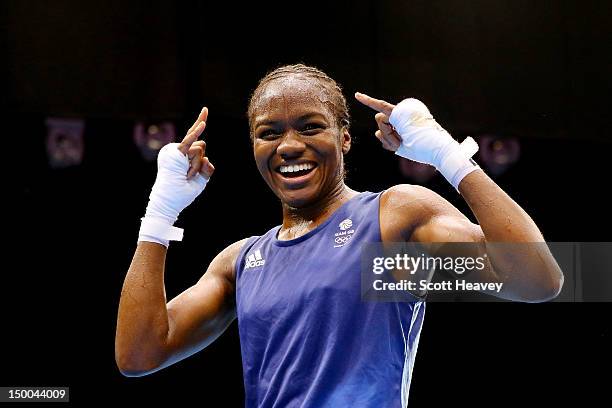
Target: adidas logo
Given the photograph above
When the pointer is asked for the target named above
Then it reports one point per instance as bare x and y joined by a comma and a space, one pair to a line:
254, 260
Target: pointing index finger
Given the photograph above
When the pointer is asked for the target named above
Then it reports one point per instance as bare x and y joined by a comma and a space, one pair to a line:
201, 117
194, 132
376, 104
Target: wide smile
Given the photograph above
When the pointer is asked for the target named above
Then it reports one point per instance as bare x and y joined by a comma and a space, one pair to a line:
296, 174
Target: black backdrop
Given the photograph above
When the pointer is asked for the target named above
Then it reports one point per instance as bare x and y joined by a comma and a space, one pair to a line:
535, 71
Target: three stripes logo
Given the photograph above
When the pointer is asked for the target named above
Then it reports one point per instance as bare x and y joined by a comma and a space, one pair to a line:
254, 260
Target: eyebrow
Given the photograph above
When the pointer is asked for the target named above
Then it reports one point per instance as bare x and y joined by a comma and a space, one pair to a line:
302, 118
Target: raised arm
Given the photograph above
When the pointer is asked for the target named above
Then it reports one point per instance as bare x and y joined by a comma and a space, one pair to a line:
150, 333
527, 269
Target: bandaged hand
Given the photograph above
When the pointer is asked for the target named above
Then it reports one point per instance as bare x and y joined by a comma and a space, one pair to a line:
182, 174
411, 132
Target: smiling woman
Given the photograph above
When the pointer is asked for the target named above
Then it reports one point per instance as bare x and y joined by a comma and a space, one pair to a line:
299, 125
296, 289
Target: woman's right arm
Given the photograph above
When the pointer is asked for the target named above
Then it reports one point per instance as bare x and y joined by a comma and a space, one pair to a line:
152, 334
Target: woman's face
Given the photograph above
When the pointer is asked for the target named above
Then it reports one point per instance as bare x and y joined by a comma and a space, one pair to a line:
298, 146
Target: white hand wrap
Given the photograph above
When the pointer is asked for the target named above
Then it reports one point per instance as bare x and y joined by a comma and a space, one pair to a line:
170, 195
425, 141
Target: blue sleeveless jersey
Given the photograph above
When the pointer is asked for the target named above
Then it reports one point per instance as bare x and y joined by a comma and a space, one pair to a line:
307, 339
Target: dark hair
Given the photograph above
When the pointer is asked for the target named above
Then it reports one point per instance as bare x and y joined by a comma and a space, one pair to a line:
337, 104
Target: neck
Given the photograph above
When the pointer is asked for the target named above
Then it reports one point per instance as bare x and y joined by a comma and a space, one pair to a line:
297, 221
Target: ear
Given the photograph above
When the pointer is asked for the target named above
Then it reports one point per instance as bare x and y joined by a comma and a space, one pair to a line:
346, 140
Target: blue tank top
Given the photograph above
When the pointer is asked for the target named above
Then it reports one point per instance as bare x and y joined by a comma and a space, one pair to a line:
306, 337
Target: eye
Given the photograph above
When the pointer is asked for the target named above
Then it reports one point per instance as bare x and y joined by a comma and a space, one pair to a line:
268, 134
312, 128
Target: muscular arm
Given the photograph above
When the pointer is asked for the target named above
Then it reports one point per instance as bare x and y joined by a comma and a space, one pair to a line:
152, 334
529, 272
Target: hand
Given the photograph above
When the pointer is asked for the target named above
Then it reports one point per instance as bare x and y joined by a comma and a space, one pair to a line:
387, 135
410, 130
195, 149
182, 173
421, 138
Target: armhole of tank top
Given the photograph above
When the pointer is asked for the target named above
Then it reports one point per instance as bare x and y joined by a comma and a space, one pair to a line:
245, 248
378, 209
417, 299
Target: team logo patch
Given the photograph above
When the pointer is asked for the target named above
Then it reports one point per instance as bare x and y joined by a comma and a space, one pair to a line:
345, 234
346, 224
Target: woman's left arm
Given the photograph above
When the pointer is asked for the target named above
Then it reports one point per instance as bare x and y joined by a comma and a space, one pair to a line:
517, 253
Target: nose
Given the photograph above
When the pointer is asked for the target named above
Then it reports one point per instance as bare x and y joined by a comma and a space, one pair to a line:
291, 145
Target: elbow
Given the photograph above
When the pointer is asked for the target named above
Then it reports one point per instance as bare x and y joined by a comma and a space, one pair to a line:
129, 372
554, 286
557, 286
137, 356
547, 291
128, 368
130, 365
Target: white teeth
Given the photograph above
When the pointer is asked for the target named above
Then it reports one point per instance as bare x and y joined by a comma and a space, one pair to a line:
296, 167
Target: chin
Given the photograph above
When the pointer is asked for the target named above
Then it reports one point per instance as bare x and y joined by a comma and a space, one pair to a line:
298, 198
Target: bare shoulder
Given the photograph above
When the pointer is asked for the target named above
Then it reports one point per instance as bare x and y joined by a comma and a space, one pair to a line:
406, 206
417, 200
224, 264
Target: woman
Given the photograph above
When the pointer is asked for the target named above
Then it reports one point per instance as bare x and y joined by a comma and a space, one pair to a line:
307, 339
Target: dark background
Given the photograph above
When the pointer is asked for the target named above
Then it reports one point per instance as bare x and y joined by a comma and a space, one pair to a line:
537, 71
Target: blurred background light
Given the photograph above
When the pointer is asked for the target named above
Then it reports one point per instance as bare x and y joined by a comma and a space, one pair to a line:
64, 142
419, 172
498, 154
151, 137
